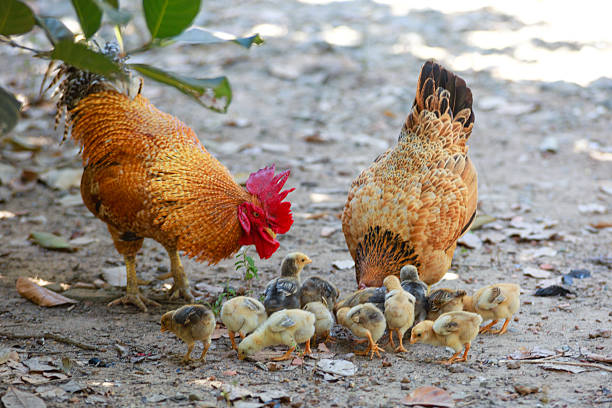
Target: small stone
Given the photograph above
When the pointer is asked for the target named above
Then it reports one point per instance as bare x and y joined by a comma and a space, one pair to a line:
513, 365
605, 333
526, 389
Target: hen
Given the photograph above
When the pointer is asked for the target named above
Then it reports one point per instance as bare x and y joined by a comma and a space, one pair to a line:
147, 176
412, 204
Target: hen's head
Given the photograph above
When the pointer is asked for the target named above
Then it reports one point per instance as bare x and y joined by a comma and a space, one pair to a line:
267, 214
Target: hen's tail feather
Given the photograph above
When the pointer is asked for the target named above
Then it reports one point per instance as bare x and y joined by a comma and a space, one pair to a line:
440, 91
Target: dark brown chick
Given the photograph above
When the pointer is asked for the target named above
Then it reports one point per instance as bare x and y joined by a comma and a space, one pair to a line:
376, 296
411, 283
444, 300
367, 322
190, 323
314, 289
284, 292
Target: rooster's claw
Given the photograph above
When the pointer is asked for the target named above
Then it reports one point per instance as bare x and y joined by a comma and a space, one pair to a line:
138, 300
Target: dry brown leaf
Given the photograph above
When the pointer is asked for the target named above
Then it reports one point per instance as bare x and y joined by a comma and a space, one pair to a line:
601, 225
598, 357
39, 295
536, 352
230, 373
429, 397
219, 332
15, 398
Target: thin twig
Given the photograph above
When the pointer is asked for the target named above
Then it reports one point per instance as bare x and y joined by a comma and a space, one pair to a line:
14, 44
56, 337
570, 363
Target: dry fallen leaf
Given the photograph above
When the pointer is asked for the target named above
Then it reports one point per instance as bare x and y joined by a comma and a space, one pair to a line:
481, 220
337, 367
562, 367
15, 398
39, 295
219, 332
51, 241
429, 397
536, 273
230, 373
343, 264
535, 352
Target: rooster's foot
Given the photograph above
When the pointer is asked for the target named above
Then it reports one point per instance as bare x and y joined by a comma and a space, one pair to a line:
137, 299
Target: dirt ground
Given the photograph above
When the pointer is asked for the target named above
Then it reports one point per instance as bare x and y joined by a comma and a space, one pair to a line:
325, 94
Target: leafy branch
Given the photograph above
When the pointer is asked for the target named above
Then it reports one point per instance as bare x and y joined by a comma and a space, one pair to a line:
168, 22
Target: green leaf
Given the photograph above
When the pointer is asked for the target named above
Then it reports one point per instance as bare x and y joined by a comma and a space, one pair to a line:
112, 12
9, 111
199, 35
54, 29
168, 18
90, 16
212, 93
15, 17
51, 241
80, 56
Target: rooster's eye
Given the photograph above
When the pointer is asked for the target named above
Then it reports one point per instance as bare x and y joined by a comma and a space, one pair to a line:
255, 214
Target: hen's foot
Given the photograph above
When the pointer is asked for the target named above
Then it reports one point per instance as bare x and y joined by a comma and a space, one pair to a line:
138, 300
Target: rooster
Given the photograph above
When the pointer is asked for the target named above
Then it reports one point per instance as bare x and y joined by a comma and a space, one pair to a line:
419, 197
146, 175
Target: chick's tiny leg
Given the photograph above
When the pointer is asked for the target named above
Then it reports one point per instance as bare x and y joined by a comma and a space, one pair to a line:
464, 356
133, 295
231, 336
285, 356
205, 350
181, 284
372, 348
401, 347
487, 328
451, 360
307, 349
187, 355
503, 329
391, 338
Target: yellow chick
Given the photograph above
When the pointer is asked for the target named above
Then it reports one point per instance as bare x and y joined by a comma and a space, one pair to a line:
498, 301
242, 315
190, 323
315, 288
453, 329
399, 310
324, 319
444, 300
365, 321
284, 292
289, 327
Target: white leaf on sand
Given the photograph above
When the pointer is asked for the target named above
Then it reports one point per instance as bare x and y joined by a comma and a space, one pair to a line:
529, 254
35, 364
328, 231
62, 179
470, 240
549, 144
337, 367
271, 395
344, 264
592, 208
15, 398
82, 241
275, 148
548, 282
7, 354
606, 187
35, 379
7, 173
71, 200
536, 273
492, 236
561, 367
115, 276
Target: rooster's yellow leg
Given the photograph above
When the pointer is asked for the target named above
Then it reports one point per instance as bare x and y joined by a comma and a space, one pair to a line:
487, 328
285, 356
503, 329
181, 284
133, 295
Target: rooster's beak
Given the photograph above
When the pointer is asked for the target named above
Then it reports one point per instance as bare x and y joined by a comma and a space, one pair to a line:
271, 233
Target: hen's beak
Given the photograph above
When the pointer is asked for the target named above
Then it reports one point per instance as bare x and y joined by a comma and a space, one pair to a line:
271, 233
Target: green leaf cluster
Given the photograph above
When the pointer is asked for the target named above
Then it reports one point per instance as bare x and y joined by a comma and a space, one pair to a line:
168, 21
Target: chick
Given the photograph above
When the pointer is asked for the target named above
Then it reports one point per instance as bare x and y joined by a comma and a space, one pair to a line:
242, 315
498, 301
365, 321
324, 319
453, 329
443, 301
190, 323
376, 296
315, 288
284, 292
399, 310
409, 277
288, 327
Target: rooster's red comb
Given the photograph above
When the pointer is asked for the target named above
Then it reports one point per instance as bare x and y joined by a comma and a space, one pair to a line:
267, 187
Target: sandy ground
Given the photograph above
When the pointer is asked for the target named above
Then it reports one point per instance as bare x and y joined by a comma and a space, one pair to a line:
325, 94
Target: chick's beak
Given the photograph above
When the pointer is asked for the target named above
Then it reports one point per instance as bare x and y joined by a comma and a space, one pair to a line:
271, 233
413, 340
307, 261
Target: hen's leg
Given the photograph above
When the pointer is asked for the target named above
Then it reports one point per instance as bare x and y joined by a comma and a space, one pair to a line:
181, 284
503, 329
